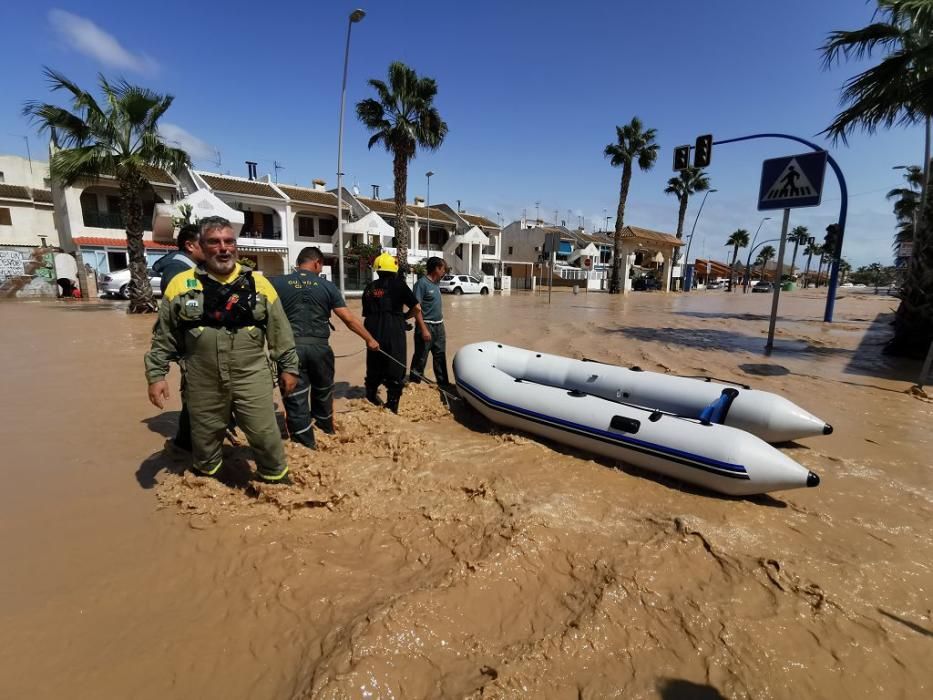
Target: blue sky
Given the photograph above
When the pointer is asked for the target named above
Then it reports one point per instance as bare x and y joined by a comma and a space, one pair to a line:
531, 92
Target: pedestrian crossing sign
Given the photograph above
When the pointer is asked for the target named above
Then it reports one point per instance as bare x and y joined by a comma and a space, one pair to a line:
792, 181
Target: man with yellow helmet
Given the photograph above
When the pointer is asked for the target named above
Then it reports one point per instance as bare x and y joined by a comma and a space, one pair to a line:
384, 317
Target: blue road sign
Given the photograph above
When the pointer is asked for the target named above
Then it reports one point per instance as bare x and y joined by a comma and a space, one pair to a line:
792, 181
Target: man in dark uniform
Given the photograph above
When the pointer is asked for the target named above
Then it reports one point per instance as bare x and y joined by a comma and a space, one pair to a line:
308, 300
428, 294
187, 257
383, 302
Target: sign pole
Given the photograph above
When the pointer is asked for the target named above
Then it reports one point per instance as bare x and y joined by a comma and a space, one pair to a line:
550, 277
777, 287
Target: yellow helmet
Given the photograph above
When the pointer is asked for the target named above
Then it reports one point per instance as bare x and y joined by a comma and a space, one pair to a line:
385, 263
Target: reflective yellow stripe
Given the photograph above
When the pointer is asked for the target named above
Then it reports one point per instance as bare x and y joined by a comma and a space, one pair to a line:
210, 472
277, 477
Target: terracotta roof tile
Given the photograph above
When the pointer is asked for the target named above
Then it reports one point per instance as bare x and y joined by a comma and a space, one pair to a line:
157, 175
14, 192
644, 234
380, 206
43, 196
422, 213
239, 186
121, 242
387, 206
477, 220
309, 196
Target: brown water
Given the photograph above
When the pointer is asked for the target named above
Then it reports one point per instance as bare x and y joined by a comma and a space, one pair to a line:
432, 555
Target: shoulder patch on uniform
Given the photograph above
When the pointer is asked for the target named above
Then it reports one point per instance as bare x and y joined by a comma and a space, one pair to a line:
191, 283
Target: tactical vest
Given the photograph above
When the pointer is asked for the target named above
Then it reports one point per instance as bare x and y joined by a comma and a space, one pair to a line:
229, 305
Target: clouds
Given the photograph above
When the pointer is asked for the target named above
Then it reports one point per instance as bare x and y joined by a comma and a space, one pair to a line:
176, 136
86, 37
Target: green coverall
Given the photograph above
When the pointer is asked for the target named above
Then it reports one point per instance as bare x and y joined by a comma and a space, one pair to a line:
226, 368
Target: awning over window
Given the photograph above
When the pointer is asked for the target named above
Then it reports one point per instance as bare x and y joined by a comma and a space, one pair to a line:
565, 247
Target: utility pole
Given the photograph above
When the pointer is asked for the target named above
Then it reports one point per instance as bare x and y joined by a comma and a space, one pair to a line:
537, 215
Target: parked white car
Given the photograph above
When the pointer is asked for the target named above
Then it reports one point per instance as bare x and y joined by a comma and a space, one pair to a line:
462, 284
117, 283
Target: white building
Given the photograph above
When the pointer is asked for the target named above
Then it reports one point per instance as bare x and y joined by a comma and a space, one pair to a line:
27, 214
583, 258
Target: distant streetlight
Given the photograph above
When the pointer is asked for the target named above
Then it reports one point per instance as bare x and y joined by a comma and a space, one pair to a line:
427, 242
355, 17
751, 248
692, 230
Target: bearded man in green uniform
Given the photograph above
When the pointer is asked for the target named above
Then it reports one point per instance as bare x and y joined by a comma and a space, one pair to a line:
308, 300
217, 319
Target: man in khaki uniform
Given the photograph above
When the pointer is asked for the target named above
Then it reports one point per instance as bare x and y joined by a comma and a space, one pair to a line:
218, 319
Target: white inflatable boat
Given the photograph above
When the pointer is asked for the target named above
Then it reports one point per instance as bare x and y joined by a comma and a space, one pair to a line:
701, 452
769, 416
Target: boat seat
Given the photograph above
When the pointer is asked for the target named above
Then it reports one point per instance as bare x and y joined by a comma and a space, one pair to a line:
717, 411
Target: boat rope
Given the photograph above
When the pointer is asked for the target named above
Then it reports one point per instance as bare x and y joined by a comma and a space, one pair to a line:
450, 397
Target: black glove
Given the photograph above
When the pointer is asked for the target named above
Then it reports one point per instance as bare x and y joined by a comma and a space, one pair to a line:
409, 327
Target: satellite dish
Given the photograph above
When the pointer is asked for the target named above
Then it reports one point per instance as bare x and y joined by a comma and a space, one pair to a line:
356, 190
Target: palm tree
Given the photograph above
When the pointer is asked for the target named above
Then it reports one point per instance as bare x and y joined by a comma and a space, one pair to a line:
633, 144
819, 271
811, 250
762, 260
688, 182
119, 139
896, 91
738, 239
403, 118
907, 198
799, 235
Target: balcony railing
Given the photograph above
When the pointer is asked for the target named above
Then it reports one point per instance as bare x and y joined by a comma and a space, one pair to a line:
276, 236
104, 219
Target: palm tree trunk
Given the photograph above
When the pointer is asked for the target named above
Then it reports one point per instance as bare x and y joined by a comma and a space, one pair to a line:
735, 255
819, 272
793, 260
806, 275
681, 215
400, 172
141, 298
614, 284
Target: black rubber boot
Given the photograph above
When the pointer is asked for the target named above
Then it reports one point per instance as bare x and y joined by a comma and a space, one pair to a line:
325, 426
372, 395
306, 438
394, 395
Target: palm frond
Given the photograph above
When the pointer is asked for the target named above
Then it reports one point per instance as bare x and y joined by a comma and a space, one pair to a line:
860, 43
71, 129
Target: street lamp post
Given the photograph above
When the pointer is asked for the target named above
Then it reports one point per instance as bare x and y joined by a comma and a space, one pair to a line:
750, 249
355, 17
692, 230
428, 238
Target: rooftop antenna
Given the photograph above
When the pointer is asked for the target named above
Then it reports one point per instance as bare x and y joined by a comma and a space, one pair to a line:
356, 186
276, 166
217, 161
28, 153
458, 207
537, 216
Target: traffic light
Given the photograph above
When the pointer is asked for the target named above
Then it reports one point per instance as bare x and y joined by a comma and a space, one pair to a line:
703, 151
681, 158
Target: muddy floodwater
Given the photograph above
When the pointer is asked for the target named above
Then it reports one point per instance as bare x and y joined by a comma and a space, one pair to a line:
432, 555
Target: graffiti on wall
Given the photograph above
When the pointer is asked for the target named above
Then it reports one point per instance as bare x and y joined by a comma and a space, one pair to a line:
12, 264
